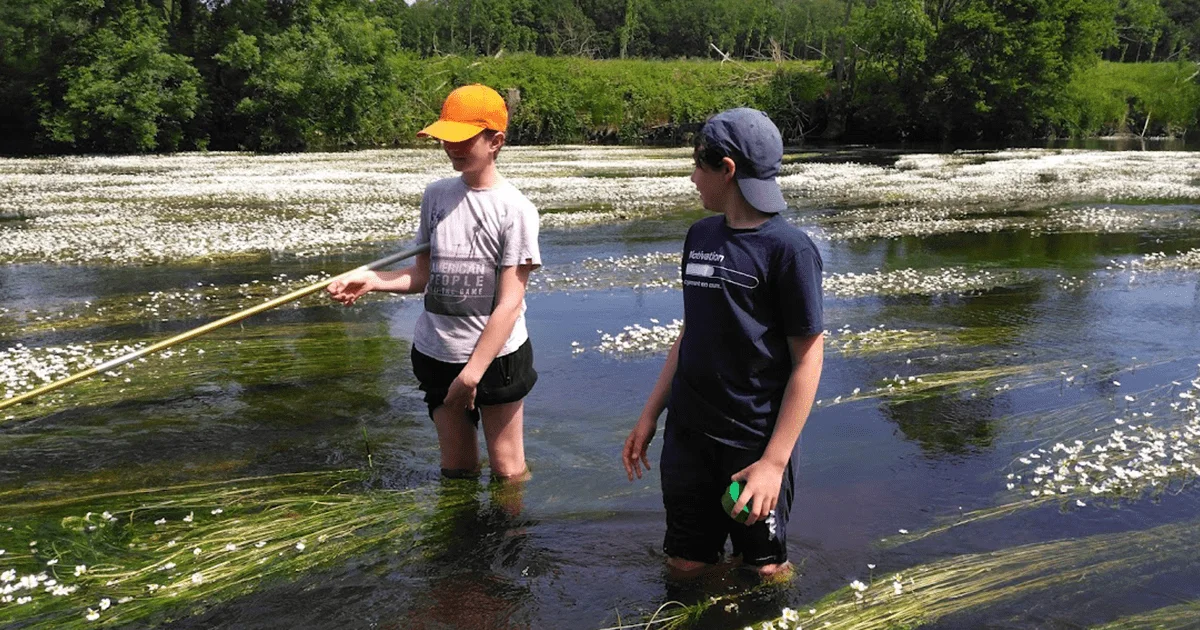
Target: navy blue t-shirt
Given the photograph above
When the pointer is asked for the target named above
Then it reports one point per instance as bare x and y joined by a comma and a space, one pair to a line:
744, 293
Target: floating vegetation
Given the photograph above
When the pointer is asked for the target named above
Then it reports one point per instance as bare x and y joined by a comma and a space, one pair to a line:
1107, 220
138, 556
881, 339
23, 369
1178, 617
202, 300
653, 270
926, 593
636, 340
250, 357
1161, 261
921, 221
869, 223
1132, 459
918, 282
1036, 176
154, 209
921, 386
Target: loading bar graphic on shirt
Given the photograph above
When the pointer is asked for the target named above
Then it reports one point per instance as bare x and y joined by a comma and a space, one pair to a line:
725, 274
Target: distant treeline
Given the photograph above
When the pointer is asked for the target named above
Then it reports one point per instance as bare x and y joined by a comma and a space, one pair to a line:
290, 75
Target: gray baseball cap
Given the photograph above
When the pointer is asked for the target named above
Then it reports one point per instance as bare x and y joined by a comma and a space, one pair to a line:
753, 142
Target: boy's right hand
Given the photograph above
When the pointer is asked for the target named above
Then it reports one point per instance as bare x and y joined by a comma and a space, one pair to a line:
634, 456
347, 290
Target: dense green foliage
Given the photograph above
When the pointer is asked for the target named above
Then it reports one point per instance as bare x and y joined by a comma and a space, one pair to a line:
284, 75
1145, 99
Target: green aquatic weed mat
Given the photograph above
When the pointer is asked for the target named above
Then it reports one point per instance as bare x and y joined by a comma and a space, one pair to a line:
1179, 617
882, 340
926, 593
187, 303
256, 356
152, 555
916, 387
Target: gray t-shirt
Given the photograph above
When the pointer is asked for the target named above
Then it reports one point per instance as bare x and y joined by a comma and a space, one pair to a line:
472, 234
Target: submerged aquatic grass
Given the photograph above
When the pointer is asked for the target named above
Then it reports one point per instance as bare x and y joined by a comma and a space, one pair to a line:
257, 355
921, 386
1135, 457
200, 300
882, 339
133, 557
927, 593
1178, 617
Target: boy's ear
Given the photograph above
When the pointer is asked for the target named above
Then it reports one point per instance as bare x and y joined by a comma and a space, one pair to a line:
497, 140
728, 167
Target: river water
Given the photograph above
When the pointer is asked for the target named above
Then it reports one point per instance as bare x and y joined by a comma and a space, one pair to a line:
1041, 296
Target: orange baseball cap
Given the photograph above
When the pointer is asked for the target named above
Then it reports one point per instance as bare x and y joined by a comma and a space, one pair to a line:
467, 111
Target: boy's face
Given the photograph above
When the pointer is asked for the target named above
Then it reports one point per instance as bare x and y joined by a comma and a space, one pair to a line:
712, 184
475, 153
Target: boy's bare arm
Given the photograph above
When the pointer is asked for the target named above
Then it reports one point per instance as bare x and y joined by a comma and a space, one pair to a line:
411, 279
634, 454
762, 478
509, 300
808, 356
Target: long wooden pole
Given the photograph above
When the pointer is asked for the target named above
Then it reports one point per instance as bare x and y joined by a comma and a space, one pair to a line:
206, 328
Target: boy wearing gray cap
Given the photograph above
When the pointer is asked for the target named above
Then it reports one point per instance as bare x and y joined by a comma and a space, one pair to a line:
739, 382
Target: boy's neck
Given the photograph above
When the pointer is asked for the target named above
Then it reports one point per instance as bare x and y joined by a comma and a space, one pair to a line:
740, 215
482, 179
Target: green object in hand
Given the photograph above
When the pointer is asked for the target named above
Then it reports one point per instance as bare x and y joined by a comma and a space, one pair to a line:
730, 498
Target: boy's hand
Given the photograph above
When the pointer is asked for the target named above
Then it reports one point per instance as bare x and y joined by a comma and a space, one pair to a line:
634, 456
760, 488
461, 394
347, 290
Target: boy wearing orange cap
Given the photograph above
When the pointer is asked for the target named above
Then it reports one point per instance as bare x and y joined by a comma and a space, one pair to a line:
471, 351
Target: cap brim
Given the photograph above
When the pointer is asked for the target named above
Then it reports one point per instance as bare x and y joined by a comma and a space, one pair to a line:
763, 194
450, 131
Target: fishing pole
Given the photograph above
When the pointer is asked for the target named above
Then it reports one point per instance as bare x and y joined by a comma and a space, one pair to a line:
209, 327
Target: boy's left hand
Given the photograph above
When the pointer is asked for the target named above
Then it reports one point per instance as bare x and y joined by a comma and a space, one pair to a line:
760, 488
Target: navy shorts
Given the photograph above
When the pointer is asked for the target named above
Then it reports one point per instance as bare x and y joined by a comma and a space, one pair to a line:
695, 473
508, 379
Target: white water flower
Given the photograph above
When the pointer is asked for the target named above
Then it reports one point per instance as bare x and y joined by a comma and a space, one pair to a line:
92, 615
858, 586
80, 569
105, 603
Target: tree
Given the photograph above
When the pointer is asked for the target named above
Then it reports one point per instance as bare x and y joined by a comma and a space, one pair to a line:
121, 90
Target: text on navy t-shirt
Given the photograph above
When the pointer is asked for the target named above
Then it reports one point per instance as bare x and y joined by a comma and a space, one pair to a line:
745, 291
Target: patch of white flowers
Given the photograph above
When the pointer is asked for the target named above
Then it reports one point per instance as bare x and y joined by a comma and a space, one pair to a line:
636, 339
917, 282
23, 368
1130, 459
1037, 176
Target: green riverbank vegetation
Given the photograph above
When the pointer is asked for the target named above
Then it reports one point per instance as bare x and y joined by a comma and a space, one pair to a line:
126, 76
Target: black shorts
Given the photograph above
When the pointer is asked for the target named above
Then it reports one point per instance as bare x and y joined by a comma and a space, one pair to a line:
509, 378
695, 473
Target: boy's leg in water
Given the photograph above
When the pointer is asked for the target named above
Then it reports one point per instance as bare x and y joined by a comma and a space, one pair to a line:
503, 428
696, 522
458, 442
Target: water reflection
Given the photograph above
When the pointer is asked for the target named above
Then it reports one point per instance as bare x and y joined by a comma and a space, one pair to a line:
478, 545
